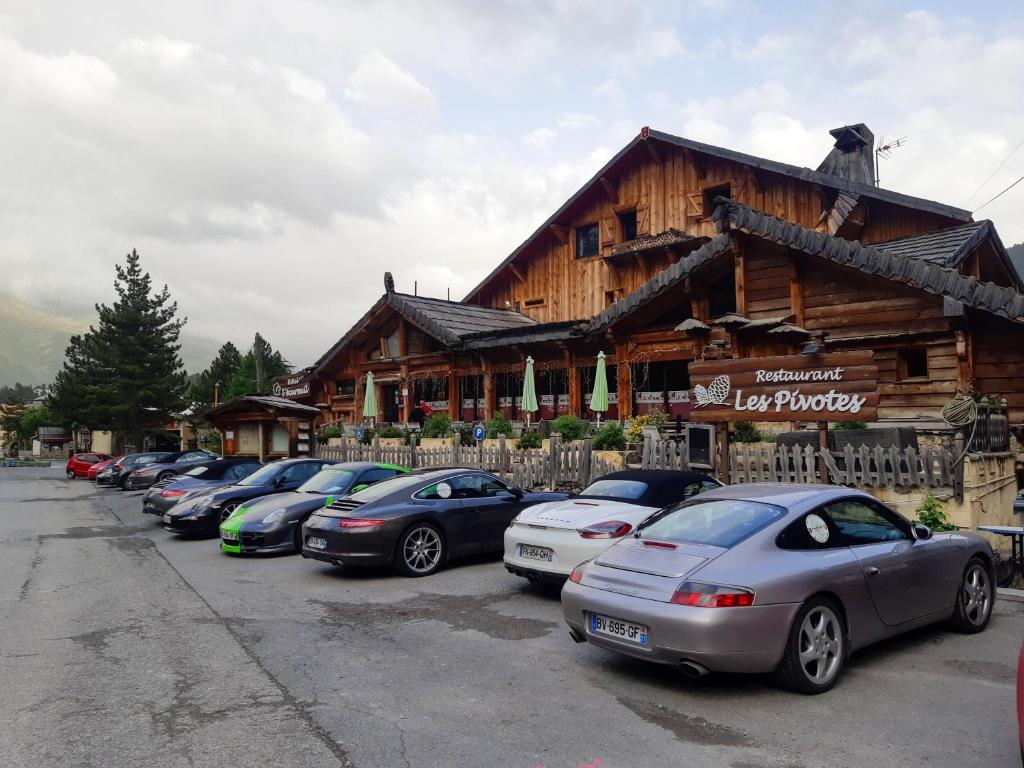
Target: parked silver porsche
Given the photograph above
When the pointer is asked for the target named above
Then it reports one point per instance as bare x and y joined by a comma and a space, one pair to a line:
788, 579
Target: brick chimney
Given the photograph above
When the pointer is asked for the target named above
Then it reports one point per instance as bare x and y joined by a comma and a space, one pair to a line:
852, 157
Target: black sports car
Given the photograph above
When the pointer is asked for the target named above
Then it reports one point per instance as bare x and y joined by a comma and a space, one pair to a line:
274, 523
205, 511
145, 476
117, 472
201, 478
417, 522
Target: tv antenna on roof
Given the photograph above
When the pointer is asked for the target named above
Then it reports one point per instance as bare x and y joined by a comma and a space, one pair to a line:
884, 150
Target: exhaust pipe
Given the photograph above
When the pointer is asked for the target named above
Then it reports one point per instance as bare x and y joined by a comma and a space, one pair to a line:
576, 635
692, 669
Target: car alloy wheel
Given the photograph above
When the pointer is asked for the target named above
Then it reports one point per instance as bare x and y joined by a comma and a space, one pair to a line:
816, 650
974, 598
227, 511
420, 551
71, 474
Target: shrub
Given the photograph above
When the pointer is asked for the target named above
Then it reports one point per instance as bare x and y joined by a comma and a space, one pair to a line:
368, 433
438, 425
499, 426
570, 428
333, 431
610, 437
850, 425
745, 432
391, 431
655, 417
529, 440
929, 512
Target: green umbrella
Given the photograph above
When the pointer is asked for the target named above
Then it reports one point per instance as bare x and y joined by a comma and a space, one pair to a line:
370, 401
529, 391
599, 398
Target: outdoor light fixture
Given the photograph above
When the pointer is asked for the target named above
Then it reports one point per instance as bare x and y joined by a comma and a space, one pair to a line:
815, 346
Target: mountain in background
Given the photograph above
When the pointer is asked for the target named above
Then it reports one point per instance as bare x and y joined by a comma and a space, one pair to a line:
32, 343
1017, 257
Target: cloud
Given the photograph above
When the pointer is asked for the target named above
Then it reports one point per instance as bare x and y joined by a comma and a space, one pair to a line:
381, 83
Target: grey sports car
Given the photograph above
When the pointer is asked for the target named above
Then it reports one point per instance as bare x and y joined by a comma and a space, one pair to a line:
788, 579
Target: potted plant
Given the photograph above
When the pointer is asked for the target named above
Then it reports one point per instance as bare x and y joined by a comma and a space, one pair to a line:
438, 431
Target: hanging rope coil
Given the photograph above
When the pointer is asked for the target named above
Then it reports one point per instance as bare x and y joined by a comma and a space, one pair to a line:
958, 413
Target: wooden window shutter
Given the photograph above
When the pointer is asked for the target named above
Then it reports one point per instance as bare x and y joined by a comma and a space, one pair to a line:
643, 221
695, 204
607, 231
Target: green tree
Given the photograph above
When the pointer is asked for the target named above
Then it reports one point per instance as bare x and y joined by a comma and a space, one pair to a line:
256, 371
125, 373
33, 419
19, 393
221, 371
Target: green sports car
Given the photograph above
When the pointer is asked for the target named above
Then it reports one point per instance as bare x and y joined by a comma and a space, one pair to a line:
274, 523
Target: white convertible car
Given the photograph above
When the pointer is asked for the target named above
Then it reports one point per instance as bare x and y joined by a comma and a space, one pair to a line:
546, 541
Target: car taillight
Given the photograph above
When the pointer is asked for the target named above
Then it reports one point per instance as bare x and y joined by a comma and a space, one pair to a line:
613, 529
577, 574
699, 595
347, 522
170, 493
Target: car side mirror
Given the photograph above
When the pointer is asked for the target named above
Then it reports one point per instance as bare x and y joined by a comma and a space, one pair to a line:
921, 531
517, 492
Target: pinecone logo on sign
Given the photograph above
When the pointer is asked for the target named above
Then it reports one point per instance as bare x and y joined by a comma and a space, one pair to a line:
714, 394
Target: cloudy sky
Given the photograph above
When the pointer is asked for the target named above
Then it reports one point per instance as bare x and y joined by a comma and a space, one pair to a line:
270, 160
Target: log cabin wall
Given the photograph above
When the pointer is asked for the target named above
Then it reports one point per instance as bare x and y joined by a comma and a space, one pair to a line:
997, 356
667, 187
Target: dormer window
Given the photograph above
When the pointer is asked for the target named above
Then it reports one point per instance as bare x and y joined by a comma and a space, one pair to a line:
588, 241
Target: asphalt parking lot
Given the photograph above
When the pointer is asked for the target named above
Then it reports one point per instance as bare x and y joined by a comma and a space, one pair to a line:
122, 645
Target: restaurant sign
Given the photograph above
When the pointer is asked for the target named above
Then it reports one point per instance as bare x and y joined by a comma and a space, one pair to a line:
837, 386
291, 386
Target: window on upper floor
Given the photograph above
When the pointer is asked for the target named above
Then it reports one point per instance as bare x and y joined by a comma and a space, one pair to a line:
627, 225
913, 363
710, 193
588, 241
345, 387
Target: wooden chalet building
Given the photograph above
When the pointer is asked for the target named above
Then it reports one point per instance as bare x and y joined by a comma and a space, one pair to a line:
678, 251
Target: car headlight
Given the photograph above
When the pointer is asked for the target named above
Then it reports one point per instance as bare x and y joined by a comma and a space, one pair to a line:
274, 516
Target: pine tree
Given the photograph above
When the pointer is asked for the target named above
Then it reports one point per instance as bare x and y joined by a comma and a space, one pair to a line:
221, 371
257, 371
125, 374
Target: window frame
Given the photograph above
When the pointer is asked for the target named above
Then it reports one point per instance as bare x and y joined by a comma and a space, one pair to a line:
903, 367
622, 227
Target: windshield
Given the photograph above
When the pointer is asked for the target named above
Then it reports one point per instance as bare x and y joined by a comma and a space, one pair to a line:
261, 476
197, 471
327, 481
617, 489
386, 487
720, 523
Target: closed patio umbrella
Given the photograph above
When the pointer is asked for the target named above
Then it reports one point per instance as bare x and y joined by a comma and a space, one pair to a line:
599, 398
529, 391
370, 401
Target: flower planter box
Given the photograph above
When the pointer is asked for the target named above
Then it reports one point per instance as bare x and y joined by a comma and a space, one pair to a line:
391, 442
437, 442
614, 459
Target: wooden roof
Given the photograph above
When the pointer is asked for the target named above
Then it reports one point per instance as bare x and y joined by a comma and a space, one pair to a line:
819, 177
267, 403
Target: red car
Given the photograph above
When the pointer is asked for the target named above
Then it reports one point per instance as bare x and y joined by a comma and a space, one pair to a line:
79, 464
100, 466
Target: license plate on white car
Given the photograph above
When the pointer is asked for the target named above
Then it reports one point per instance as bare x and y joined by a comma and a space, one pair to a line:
229, 535
618, 628
315, 542
536, 553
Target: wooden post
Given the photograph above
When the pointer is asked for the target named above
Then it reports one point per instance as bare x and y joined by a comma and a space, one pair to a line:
796, 292
624, 393
575, 395
553, 441
959, 456
741, 294
454, 406
822, 447
490, 401
724, 470
263, 445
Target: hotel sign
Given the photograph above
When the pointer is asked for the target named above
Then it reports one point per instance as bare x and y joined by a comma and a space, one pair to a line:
291, 386
837, 386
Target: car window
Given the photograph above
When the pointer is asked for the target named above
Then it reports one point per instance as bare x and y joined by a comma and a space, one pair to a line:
493, 488
149, 459
692, 489
88, 459
618, 489
389, 486
328, 480
815, 530
193, 456
862, 523
261, 476
299, 473
718, 522
376, 474
197, 471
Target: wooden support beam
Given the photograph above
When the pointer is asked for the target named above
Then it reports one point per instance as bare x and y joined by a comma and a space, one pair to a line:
515, 271
624, 381
698, 165
653, 150
575, 395
642, 266
490, 399
453, 390
611, 189
738, 256
561, 233
796, 293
